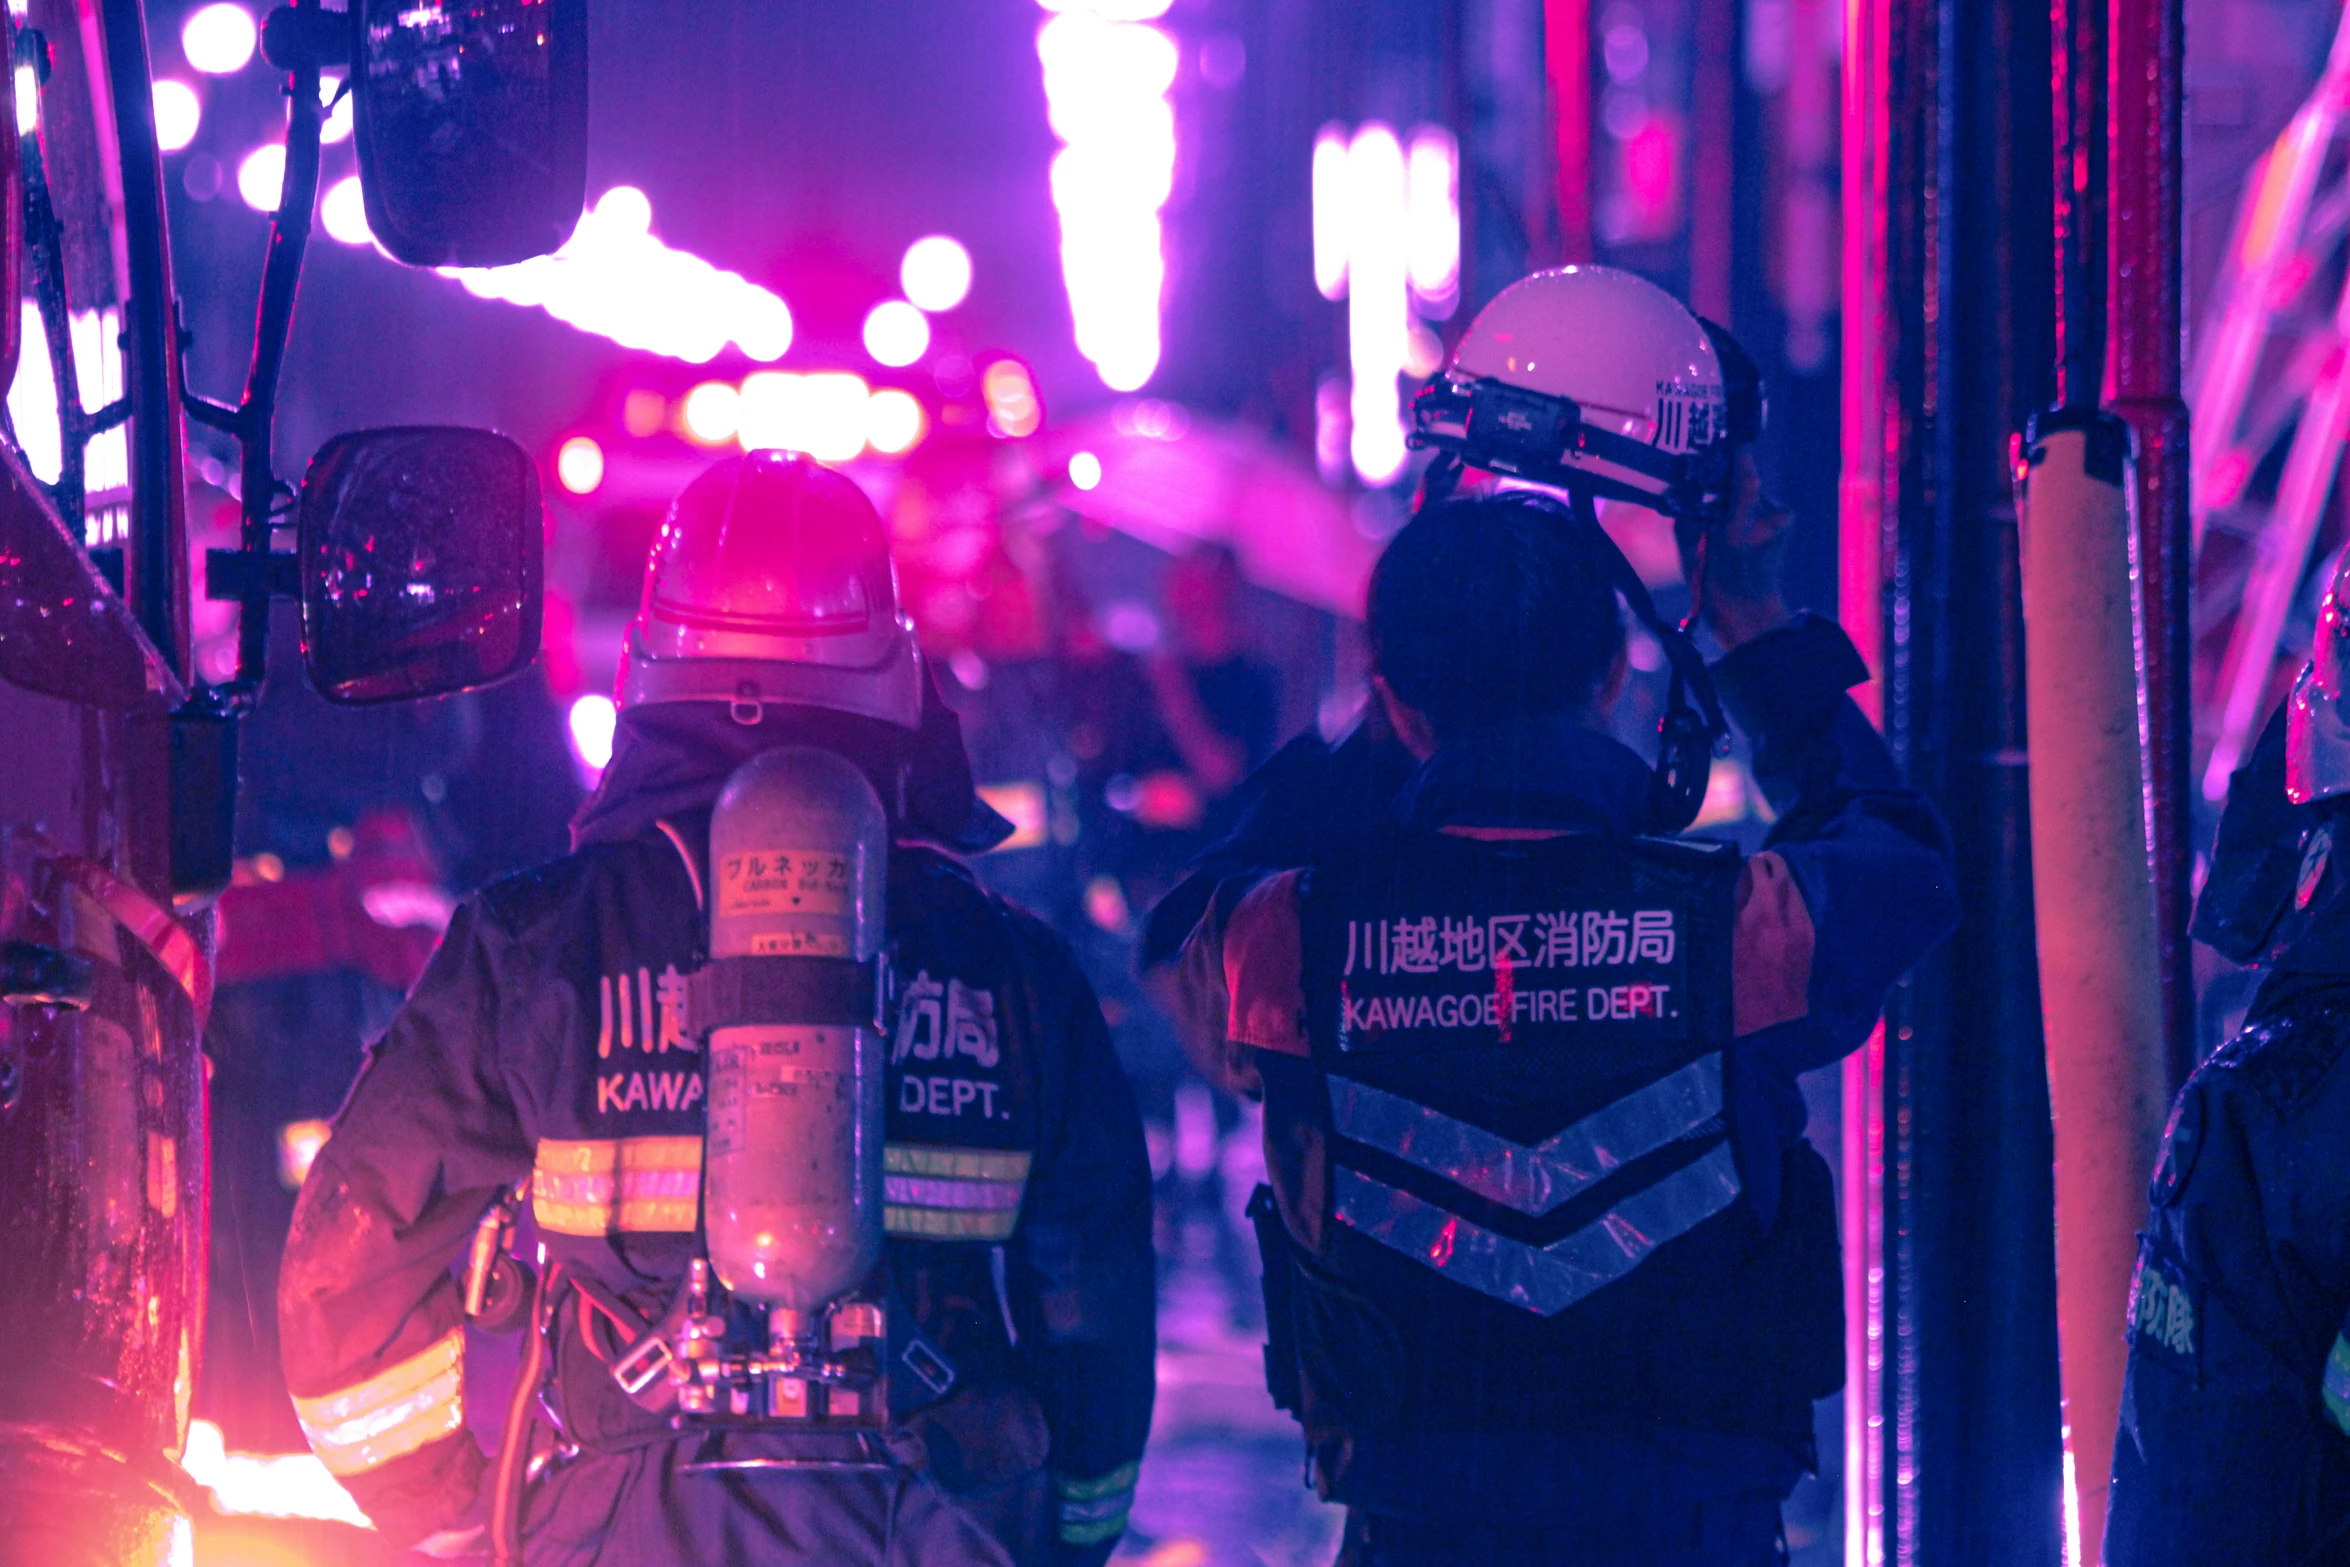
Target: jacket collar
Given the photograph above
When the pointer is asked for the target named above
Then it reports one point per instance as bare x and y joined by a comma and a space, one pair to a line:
1539, 772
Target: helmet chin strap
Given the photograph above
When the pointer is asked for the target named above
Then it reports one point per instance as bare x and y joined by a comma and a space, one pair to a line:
1690, 732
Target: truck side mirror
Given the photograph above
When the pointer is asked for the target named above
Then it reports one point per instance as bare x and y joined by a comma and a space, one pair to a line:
421, 553
472, 126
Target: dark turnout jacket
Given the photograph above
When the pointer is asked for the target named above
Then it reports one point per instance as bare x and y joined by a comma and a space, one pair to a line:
2235, 1429
544, 1049
1690, 1376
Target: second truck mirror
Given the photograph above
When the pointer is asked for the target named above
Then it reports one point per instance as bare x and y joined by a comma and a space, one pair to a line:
421, 557
472, 127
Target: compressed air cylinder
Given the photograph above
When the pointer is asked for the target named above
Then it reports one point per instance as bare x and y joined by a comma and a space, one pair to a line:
799, 855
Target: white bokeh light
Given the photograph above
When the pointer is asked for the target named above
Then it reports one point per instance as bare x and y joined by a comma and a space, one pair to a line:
896, 334
1378, 313
579, 465
1432, 219
337, 126
343, 212
218, 39
712, 412
893, 421
936, 273
827, 414
1106, 78
178, 113
1085, 470
1330, 216
262, 176
592, 721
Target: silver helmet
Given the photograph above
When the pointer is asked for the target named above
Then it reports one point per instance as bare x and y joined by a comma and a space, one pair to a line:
2317, 732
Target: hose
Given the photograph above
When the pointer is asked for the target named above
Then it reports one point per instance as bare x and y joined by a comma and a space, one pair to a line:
514, 1443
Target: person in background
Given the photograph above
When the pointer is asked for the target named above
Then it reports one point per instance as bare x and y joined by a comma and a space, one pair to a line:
2235, 1428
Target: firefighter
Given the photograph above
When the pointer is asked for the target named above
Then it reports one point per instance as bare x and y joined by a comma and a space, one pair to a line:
546, 1053
1551, 1271
2235, 1426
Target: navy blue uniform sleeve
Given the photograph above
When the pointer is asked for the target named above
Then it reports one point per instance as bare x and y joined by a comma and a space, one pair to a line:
1081, 1275
1868, 851
369, 1318
2230, 1449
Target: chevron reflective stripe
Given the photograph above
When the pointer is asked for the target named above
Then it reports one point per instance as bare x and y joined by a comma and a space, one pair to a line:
2338, 1384
392, 1413
953, 1194
1095, 1510
615, 1185
1545, 1280
1536, 1179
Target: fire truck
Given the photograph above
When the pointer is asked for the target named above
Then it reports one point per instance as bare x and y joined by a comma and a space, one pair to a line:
414, 554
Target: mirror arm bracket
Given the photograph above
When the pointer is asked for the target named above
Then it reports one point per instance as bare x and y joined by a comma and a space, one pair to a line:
303, 36
299, 39
212, 415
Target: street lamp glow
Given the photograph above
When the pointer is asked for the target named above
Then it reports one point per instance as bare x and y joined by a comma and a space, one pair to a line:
896, 334
936, 273
218, 39
178, 112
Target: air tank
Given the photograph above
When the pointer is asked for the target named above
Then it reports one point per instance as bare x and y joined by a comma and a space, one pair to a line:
799, 857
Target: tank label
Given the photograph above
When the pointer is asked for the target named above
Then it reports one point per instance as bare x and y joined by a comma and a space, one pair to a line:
800, 944
784, 881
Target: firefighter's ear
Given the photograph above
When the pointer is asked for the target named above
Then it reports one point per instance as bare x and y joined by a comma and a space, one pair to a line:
1411, 726
1611, 686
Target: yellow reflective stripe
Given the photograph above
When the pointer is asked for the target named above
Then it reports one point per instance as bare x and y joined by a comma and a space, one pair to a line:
1118, 1480
392, 1413
969, 1164
2337, 1384
1094, 1510
951, 1194
608, 1185
942, 1224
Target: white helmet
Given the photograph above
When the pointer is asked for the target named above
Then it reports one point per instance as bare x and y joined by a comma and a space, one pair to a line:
1596, 380
771, 582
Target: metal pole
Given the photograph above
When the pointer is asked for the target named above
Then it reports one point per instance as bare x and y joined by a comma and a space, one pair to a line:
1860, 606
2077, 71
2147, 45
1566, 51
158, 547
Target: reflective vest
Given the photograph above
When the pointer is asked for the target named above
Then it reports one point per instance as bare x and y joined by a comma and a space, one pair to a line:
1527, 1200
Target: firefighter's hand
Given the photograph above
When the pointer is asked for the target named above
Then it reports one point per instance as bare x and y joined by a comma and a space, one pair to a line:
1733, 565
468, 1543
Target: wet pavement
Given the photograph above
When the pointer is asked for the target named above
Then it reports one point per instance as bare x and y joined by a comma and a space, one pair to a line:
1223, 1482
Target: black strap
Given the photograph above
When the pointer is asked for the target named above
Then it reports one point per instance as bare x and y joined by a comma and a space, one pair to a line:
731, 991
1281, 1366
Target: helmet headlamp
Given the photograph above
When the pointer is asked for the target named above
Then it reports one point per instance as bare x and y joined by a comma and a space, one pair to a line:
1501, 428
